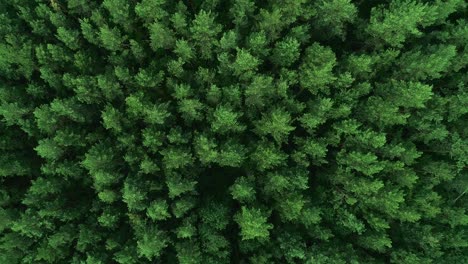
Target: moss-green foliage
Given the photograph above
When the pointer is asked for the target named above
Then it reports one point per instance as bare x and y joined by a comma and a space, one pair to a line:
237, 131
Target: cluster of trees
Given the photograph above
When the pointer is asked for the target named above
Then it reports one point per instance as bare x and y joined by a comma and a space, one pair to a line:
240, 131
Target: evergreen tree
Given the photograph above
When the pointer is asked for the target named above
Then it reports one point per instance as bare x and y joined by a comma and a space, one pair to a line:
243, 131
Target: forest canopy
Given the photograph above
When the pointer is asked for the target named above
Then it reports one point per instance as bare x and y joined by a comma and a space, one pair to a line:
233, 131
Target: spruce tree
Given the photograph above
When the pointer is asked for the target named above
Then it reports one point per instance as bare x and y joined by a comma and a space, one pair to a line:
239, 131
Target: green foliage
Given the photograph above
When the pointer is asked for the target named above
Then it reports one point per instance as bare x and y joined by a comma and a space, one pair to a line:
286, 52
276, 124
333, 16
111, 38
151, 242
316, 69
161, 36
393, 25
225, 120
209, 131
253, 224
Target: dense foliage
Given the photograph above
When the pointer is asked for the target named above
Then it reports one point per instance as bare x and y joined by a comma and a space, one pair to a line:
240, 131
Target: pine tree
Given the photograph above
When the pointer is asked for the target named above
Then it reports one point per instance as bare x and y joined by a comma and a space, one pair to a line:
285, 131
